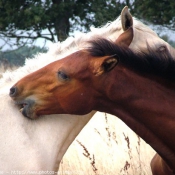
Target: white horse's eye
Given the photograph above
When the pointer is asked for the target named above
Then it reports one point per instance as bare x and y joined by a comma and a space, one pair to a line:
63, 75
162, 49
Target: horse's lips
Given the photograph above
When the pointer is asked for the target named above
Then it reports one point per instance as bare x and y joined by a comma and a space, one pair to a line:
26, 108
24, 111
23, 108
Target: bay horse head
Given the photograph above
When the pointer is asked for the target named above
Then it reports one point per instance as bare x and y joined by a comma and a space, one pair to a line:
46, 90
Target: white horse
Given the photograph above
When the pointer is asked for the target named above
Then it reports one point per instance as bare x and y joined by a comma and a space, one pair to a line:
37, 146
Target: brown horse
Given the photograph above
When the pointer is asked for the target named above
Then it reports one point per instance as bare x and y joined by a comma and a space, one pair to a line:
109, 77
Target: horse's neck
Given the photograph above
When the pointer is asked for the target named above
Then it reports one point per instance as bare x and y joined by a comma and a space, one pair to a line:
146, 106
41, 143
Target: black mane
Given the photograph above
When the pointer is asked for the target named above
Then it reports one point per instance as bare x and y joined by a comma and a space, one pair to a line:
157, 63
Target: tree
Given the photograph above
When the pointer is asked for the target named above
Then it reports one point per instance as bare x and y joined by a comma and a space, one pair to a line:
160, 12
167, 39
25, 20
17, 57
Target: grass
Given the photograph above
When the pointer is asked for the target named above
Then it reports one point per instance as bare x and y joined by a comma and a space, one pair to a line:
106, 146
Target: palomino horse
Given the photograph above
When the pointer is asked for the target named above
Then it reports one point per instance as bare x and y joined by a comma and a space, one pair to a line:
109, 77
44, 149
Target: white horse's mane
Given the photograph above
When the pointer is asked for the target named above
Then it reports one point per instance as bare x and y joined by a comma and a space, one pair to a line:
61, 49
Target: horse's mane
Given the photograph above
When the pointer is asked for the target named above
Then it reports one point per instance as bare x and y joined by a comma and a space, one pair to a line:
70, 45
155, 63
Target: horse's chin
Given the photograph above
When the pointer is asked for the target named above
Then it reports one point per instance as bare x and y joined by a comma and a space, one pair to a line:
29, 113
26, 107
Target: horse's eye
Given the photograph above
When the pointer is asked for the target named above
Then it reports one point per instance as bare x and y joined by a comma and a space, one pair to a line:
162, 49
62, 75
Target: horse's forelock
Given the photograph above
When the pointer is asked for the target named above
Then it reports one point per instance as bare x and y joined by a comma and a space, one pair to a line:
156, 63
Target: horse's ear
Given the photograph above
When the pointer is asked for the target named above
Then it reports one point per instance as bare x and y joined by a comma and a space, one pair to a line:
126, 19
105, 64
126, 37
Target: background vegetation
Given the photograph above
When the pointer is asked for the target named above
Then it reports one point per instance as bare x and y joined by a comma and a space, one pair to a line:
17, 57
24, 21
106, 146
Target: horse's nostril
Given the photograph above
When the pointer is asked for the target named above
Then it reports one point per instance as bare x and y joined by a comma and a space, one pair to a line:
13, 91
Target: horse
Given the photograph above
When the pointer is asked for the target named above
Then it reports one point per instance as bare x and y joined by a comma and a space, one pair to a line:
109, 77
36, 152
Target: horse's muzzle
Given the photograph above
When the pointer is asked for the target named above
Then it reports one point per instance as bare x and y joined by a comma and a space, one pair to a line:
27, 108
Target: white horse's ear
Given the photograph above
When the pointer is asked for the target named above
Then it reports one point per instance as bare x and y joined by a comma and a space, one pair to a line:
105, 64
125, 38
126, 18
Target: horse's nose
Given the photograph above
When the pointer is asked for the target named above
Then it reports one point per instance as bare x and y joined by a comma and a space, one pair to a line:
13, 91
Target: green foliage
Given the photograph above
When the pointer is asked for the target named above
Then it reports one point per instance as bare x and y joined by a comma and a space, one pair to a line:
31, 17
161, 12
99, 12
167, 39
26, 19
17, 57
